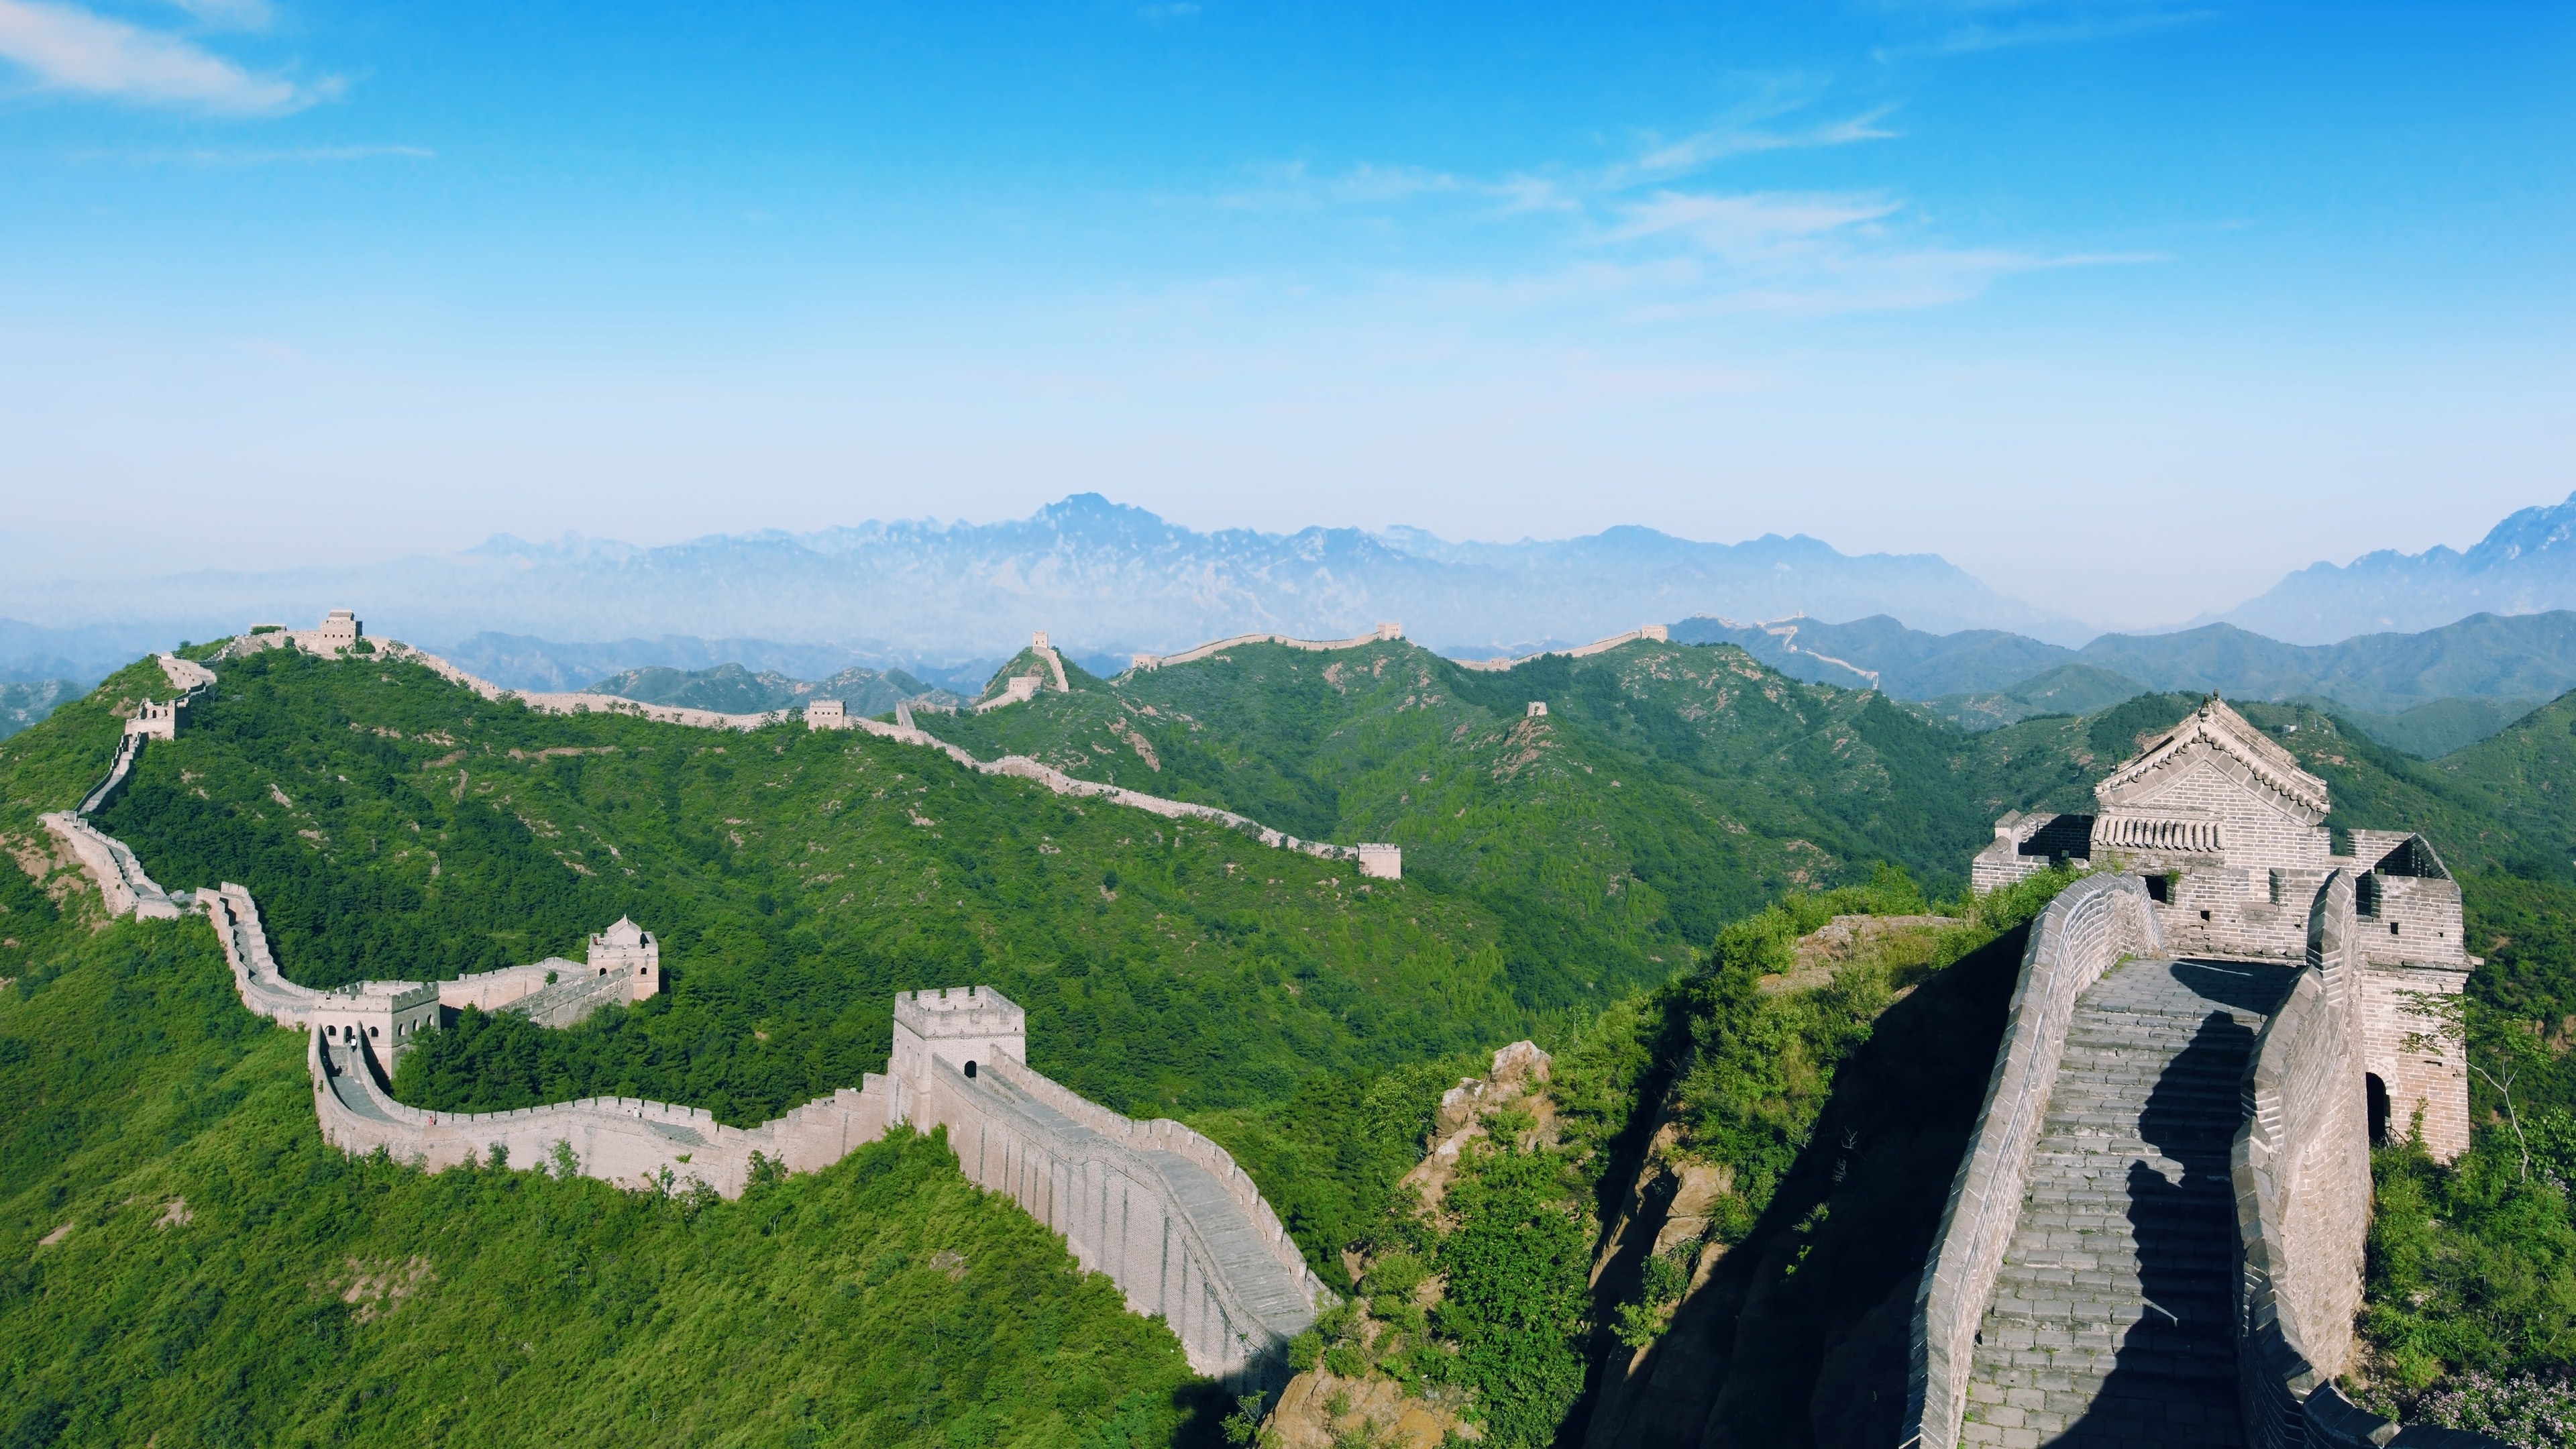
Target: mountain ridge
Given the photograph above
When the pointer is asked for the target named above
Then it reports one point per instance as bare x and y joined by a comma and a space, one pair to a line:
2525, 564
1104, 577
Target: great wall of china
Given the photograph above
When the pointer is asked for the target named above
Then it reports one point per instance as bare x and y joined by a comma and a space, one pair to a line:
2154, 1235
1162, 1210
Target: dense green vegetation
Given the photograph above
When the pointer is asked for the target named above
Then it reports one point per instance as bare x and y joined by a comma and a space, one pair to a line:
1617, 879
732, 689
1669, 790
184, 1261
393, 826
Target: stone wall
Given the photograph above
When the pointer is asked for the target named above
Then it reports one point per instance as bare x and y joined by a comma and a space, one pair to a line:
121, 881
2301, 1173
1054, 662
1161, 1210
623, 1140
264, 989
2419, 1057
1656, 632
1193, 655
2092, 925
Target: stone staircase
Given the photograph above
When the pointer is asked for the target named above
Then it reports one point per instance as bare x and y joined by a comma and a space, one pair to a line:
2111, 1320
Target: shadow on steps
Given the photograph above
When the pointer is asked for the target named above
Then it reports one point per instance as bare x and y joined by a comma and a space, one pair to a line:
1797, 1337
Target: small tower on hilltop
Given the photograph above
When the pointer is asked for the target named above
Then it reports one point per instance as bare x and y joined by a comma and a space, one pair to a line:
956, 1028
340, 630
626, 949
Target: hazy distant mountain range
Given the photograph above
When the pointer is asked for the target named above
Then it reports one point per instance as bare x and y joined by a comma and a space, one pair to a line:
942, 603
2525, 565
1104, 579
1099, 576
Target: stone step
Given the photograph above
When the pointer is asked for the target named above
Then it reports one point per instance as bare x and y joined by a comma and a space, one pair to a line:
2113, 1311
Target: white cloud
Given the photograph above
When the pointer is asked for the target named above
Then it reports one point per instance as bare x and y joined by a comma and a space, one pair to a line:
263, 156
230, 14
1720, 142
70, 49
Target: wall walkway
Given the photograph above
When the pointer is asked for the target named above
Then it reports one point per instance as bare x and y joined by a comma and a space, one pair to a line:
2089, 1283
1656, 632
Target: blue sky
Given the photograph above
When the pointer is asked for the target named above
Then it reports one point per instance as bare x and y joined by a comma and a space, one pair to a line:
2011, 282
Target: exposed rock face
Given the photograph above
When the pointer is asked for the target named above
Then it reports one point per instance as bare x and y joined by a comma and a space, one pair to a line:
1304, 1418
1373, 1405
1518, 1070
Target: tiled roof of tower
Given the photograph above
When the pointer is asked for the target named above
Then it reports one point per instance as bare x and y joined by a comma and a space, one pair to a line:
2217, 727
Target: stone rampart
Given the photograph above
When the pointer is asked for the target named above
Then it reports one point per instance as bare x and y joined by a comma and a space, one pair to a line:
1380, 634
2090, 927
185, 675
2301, 1174
121, 881
1018, 689
264, 989
1161, 1210
1054, 661
1656, 632
623, 1140
129, 748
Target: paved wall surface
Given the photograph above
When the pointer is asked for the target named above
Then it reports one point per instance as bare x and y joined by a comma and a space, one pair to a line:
2089, 927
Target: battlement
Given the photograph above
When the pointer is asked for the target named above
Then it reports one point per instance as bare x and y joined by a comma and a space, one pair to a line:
959, 1027
827, 714
959, 1011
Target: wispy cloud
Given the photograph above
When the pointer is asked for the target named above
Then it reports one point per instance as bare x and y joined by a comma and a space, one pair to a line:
1752, 129
70, 49
230, 14
1964, 27
218, 156
1652, 236
1741, 137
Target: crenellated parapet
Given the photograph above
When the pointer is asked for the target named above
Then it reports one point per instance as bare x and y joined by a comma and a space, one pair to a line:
1656, 633
121, 881
1379, 635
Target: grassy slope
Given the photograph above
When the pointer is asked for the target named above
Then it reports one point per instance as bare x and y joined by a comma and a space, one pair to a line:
308, 1298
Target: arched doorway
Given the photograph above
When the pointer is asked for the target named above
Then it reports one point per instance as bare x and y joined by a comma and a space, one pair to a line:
2377, 1093
970, 1069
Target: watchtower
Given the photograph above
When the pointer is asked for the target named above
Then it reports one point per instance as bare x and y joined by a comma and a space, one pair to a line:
958, 1027
627, 949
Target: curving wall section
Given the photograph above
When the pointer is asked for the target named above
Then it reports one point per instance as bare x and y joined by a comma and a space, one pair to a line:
2090, 927
120, 876
2301, 1172
1214, 646
1656, 632
1160, 1209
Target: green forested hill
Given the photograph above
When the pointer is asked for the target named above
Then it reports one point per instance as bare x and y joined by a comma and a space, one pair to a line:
1668, 790
184, 1262
392, 825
